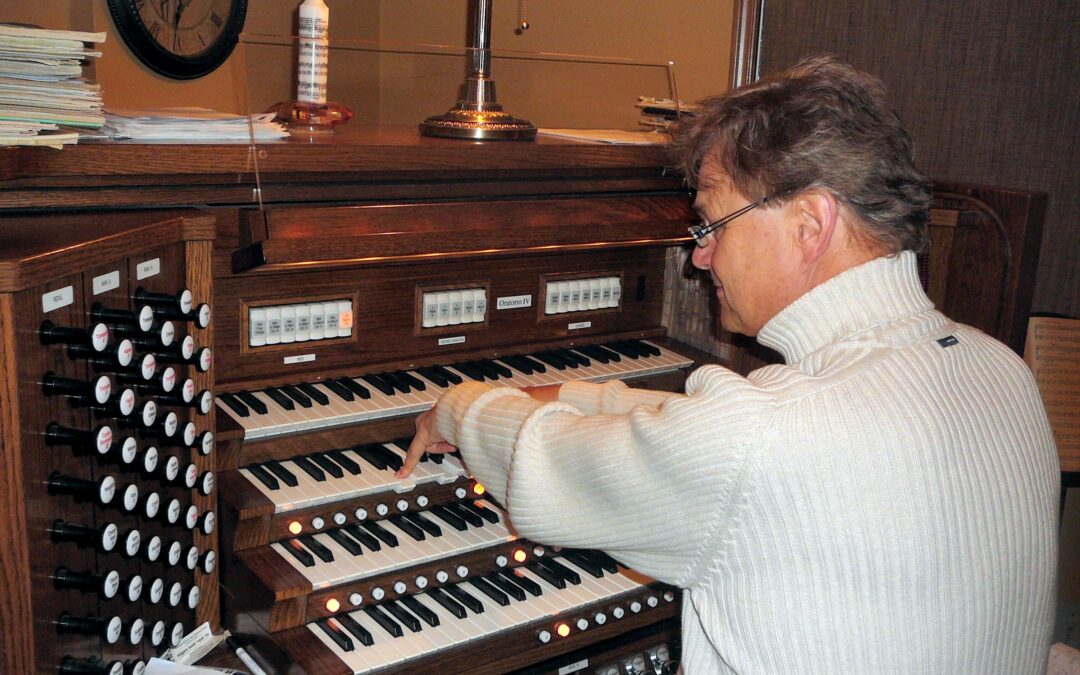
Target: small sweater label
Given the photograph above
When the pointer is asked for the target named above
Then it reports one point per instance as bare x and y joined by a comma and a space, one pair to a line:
947, 341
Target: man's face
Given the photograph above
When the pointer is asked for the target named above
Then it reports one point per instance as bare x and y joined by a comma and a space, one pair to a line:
753, 260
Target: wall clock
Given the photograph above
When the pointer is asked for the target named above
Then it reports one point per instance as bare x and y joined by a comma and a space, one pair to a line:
181, 39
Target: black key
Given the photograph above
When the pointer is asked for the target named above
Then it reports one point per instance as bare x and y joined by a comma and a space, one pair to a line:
279, 398
502, 370
339, 390
423, 523
380, 617
437, 458
264, 476
529, 585
435, 376
370, 453
420, 609
314, 393
558, 355
449, 518
353, 626
650, 350
546, 574
513, 590
358, 533
552, 361
378, 383
344, 461
403, 615
574, 356
583, 562
622, 348
407, 527
327, 464
355, 387
336, 634
451, 376
487, 368
346, 542
308, 467
448, 603
470, 371
594, 352
296, 395
518, 363
234, 403
252, 402
395, 380
461, 595
562, 570
385, 536
606, 562
489, 590
275, 467
325, 554
392, 459
610, 353
480, 510
537, 366
299, 552
413, 381
466, 515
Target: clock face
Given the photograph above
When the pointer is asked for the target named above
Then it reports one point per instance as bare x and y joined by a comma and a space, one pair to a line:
182, 39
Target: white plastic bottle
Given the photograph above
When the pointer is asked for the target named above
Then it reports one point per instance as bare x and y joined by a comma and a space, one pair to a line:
314, 52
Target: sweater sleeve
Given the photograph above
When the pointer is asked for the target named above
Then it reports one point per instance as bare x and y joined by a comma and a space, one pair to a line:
612, 397
651, 485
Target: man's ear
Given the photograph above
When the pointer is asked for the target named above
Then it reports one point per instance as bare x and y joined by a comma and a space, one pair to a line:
817, 213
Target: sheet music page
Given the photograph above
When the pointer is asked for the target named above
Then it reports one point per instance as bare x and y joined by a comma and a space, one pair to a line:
1053, 354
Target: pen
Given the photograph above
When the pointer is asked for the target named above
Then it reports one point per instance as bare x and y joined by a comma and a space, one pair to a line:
244, 656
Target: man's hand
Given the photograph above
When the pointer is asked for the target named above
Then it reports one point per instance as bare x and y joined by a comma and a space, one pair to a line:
427, 439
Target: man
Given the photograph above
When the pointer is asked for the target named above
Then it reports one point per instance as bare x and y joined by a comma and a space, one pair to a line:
884, 502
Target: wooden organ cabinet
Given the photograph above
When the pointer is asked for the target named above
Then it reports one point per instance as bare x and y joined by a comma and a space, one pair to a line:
352, 279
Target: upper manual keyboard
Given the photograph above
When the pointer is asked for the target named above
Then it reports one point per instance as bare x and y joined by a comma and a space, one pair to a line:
309, 406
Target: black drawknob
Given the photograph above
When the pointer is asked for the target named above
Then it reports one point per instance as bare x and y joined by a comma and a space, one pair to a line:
96, 338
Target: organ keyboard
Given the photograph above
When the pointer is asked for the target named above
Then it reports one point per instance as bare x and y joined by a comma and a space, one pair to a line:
348, 400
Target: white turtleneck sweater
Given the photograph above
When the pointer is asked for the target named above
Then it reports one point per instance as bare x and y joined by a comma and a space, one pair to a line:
883, 503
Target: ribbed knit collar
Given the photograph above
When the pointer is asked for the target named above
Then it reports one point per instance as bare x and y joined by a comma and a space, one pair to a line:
876, 292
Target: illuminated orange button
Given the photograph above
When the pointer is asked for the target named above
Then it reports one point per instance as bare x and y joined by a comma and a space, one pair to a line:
520, 555
345, 319
562, 629
479, 489
332, 605
295, 527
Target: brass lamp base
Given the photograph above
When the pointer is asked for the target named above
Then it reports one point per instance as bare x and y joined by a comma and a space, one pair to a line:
488, 125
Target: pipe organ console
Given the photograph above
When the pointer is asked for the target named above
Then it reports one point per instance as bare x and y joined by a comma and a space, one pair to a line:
321, 367
352, 280
108, 553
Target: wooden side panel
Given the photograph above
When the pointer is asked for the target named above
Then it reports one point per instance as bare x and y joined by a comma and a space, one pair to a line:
16, 614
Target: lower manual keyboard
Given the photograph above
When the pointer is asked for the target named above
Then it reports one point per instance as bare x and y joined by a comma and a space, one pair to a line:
553, 605
310, 406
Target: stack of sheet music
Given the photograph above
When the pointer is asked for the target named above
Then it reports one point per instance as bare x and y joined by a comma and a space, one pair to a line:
661, 113
42, 88
192, 124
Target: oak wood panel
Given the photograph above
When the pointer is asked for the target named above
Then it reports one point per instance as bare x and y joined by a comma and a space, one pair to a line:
385, 318
16, 610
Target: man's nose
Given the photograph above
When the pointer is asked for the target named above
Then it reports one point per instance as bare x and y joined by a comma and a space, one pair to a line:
701, 256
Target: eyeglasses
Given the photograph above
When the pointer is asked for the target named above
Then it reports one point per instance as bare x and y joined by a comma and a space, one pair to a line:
701, 232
